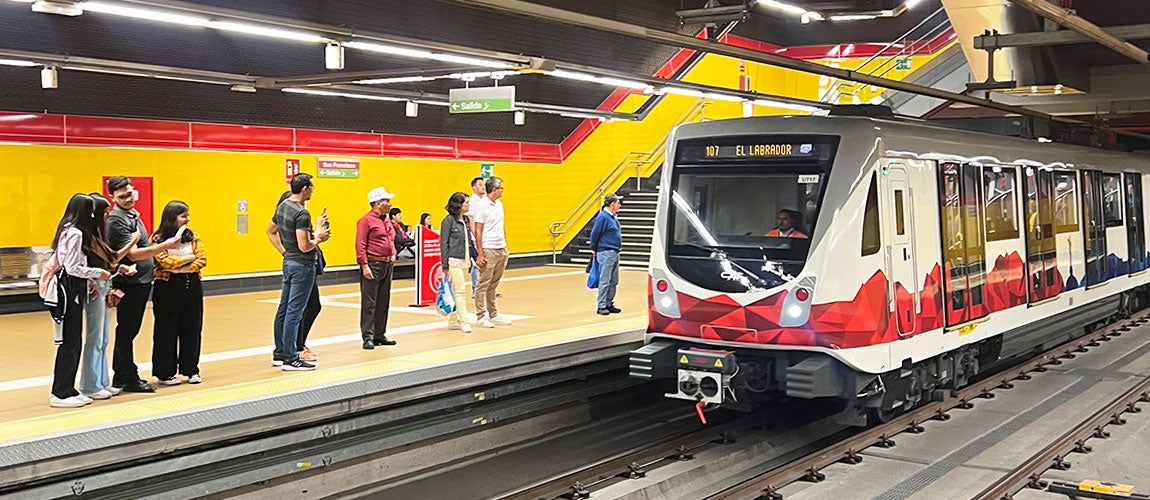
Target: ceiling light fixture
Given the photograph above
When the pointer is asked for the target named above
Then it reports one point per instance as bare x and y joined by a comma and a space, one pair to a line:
698, 93
49, 78
251, 29
249, 89
853, 17
58, 8
145, 14
605, 80
333, 56
805, 16
397, 79
790, 106
424, 54
329, 93
17, 62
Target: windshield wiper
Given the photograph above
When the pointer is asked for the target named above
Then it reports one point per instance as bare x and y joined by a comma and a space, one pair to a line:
717, 253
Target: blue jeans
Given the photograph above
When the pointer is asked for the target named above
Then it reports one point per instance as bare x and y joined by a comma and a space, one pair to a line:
474, 277
608, 276
298, 281
97, 321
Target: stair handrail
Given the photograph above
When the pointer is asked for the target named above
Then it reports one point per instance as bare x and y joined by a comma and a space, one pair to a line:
638, 159
833, 95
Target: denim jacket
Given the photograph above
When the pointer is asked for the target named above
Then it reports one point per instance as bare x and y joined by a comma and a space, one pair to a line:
452, 234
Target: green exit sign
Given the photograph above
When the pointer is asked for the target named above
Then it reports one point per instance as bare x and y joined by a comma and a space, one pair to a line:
903, 64
482, 100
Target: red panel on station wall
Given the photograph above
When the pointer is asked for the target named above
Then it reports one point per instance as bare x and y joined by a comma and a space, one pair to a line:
677, 61
577, 136
538, 152
328, 141
125, 132
31, 127
487, 150
423, 147
244, 137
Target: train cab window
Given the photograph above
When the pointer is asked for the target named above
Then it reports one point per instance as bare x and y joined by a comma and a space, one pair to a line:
871, 232
999, 194
1112, 199
1065, 202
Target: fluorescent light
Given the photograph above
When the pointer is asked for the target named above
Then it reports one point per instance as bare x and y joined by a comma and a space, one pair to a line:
697, 93
586, 116
329, 93
249, 29
911, 3
785, 7
146, 14
17, 62
424, 54
433, 103
787, 105
397, 79
853, 17
605, 80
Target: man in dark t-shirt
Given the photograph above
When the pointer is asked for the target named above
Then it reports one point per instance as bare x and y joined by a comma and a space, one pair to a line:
293, 235
123, 221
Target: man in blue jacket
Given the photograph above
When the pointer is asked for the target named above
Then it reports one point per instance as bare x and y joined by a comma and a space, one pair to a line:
606, 242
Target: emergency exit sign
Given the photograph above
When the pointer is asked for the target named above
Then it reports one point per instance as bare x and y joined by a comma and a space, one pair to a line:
482, 100
903, 64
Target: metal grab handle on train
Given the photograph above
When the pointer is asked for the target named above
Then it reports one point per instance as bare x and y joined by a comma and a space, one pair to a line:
905, 256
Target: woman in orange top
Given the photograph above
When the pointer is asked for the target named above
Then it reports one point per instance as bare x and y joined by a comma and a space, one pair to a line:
178, 299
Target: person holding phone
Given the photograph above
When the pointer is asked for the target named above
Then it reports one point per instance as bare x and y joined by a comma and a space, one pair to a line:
178, 299
314, 306
299, 240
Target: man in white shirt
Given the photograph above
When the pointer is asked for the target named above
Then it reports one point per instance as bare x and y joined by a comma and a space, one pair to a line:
491, 241
478, 194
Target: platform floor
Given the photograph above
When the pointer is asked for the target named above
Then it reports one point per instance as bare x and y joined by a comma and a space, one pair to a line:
550, 304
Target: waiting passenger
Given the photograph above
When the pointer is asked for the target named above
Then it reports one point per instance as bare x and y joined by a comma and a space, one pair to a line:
73, 244
403, 240
94, 380
491, 242
606, 244
425, 220
375, 254
478, 194
788, 224
457, 251
314, 306
178, 299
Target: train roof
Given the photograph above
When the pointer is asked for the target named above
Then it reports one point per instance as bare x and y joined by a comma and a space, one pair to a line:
910, 139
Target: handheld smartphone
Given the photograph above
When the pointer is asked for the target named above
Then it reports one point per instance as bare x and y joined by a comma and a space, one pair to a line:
180, 231
326, 222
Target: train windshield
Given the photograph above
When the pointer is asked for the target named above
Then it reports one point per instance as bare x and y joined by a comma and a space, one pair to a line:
744, 230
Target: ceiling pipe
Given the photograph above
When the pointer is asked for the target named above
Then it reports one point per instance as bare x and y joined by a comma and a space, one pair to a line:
1086, 28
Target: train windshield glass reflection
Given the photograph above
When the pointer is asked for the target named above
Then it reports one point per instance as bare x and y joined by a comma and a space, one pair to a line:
745, 231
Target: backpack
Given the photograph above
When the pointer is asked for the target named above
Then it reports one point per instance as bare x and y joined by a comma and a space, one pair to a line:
52, 282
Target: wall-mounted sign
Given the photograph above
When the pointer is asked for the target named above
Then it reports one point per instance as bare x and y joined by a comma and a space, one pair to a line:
482, 99
903, 64
291, 167
486, 170
338, 168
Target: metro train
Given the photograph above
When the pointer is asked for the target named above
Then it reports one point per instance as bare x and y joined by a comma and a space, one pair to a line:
881, 262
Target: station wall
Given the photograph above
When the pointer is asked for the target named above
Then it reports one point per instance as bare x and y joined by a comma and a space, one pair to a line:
38, 179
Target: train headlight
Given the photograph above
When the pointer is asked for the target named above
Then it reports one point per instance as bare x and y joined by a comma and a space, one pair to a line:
663, 294
797, 306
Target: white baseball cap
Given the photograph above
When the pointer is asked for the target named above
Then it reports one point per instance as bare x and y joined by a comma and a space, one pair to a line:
377, 194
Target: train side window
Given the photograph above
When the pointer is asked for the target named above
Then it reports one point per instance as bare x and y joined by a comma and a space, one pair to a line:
871, 234
899, 217
999, 205
1112, 199
1065, 202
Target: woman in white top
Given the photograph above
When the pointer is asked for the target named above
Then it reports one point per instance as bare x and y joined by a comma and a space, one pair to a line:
74, 244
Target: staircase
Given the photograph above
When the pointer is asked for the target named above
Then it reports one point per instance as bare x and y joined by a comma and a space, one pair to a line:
636, 220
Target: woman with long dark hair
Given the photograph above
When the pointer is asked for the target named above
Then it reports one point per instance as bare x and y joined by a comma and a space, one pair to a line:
73, 245
457, 249
94, 380
425, 220
178, 299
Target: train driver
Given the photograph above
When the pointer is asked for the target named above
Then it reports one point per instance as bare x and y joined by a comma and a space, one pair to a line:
788, 224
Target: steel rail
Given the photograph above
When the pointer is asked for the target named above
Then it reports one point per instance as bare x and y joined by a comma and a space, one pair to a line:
1073, 441
766, 487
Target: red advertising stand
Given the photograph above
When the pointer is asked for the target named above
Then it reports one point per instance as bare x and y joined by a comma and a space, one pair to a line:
428, 269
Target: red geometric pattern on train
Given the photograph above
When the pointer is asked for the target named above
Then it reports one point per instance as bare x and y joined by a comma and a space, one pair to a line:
863, 321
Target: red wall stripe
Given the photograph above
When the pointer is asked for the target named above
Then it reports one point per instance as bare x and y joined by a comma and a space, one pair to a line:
420, 147
31, 127
487, 150
124, 132
330, 141
246, 137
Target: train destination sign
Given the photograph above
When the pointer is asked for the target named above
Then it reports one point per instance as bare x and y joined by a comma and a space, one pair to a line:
746, 151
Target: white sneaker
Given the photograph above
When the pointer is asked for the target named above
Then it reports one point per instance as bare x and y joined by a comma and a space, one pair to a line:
72, 402
170, 381
115, 391
195, 379
277, 362
466, 327
453, 326
100, 394
85, 399
500, 320
484, 323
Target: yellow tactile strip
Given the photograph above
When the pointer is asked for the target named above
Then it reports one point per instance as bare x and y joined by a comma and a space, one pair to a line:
101, 416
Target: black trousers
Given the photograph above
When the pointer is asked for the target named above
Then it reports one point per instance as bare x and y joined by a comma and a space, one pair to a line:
313, 308
178, 305
68, 353
129, 317
374, 300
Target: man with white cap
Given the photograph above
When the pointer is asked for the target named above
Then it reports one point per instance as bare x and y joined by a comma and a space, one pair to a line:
375, 254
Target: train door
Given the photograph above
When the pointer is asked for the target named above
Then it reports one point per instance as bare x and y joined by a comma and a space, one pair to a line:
898, 233
1043, 278
1135, 227
1094, 233
963, 247
1006, 278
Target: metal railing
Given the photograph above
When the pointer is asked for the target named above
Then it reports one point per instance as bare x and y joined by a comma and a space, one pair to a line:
906, 48
636, 160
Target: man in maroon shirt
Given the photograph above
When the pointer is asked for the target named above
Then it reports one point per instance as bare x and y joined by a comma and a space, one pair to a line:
375, 254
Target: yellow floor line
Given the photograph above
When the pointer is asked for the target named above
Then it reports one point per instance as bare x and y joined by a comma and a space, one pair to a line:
102, 414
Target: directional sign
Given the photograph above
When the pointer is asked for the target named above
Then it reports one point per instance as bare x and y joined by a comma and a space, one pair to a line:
482, 99
346, 169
